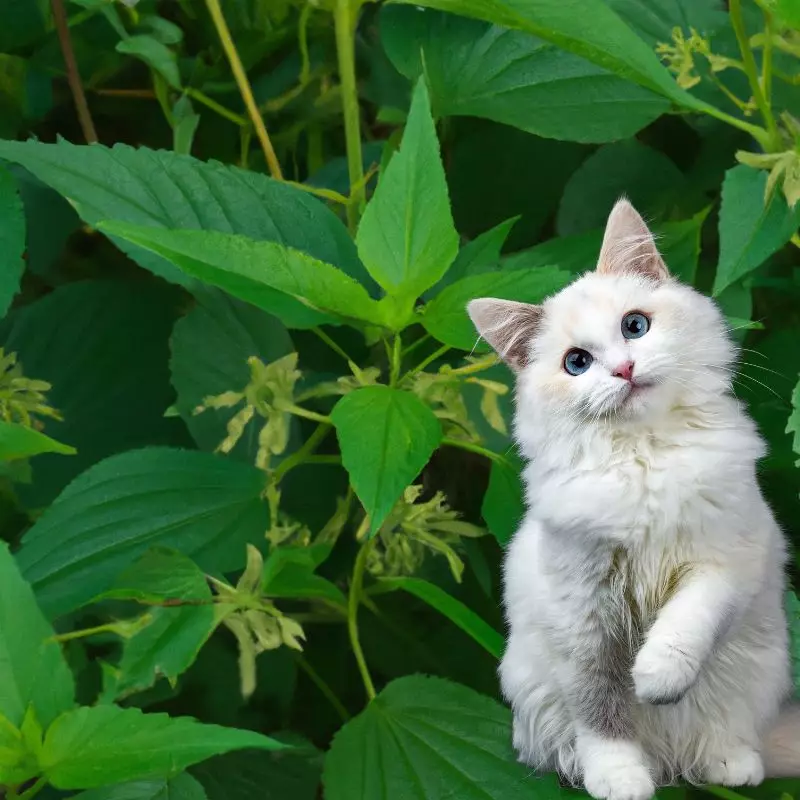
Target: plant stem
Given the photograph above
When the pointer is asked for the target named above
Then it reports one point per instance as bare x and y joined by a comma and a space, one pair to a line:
332, 344
724, 792
73, 76
475, 448
321, 684
352, 617
318, 191
737, 21
244, 87
216, 107
33, 790
303, 453
414, 345
345, 18
291, 408
427, 361
395, 359
766, 60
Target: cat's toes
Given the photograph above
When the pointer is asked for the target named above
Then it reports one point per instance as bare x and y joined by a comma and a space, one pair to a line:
620, 781
741, 766
662, 674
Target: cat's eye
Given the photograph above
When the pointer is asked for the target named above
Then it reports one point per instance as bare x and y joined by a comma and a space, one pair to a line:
577, 361
635, 325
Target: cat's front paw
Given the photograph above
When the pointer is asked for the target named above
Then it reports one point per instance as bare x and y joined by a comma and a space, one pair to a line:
618, 780
663, 673
740, 766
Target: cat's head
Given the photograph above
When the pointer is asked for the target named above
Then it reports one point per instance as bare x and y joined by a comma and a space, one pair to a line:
624, 342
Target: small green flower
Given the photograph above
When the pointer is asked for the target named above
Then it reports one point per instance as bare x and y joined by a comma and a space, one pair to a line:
22, 399
784, 169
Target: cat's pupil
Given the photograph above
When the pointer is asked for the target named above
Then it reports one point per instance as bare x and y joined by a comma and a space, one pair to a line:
634, 325
577, 361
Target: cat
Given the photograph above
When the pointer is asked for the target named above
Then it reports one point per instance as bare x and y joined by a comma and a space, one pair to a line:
644, 588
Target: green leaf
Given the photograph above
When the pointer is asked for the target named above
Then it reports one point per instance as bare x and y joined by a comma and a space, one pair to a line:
277, 279
588, 28
162, 189
210, 348
289, 572
466, 619
386, 437
793, 424
647, 177
654, 20
793, 616
91, 747
749, 231
446, 316
17, 762
407, 238
24, 22
475, 69
181, 787
12, 239
184, 125
155, 54
482, 254
429, 739
208, 506
17, 441
103, 347
32, 668
504, 502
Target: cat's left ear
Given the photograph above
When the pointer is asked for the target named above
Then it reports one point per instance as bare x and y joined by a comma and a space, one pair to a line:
629, 246
508, 326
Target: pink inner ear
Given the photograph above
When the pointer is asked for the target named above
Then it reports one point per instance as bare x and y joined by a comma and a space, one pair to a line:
629, 246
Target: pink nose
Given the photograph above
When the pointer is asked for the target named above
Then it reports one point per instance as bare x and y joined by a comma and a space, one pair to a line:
624, 370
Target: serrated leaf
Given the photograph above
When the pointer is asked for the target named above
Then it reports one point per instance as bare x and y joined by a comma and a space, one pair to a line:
181, 787
588, 28
32, 667
446, 316
386, 437
91, 747
475, 69
407, 238
299, 290
749, 231
504, 502
459, 614
162, 189
17, 441
430, 739
12, 239
206, 505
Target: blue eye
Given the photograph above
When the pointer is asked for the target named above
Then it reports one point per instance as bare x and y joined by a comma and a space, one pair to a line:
577, 361
635, 325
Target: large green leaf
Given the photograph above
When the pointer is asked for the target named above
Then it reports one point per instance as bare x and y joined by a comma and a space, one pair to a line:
300, 290
750, 231
158, 188
181, 787
17, 441
429, 739
504, 502
475, 69
91, 747
12, 239
588, 28
24, 22
446, 316
289, 572
207, 506
654, 20
646, 176
466, 619
32, 668
210, 347
103, 346
406, 238
386, 437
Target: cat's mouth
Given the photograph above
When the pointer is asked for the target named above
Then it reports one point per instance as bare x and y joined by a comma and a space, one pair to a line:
637, 387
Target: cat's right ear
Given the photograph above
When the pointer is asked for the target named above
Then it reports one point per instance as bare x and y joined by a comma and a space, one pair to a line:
507, 326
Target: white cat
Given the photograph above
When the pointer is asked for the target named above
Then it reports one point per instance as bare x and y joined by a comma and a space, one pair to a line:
644, 589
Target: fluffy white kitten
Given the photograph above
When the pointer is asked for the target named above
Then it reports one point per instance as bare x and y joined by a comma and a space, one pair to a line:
644, 588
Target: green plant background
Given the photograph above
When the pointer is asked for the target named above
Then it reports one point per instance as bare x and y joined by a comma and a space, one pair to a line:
256, 468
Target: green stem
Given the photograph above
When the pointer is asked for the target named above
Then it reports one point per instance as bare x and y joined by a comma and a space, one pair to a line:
352, 617
724, 793
750, 68
322, 685
301, 455
33, 790
427, 361
395, 360
756, 131
345, 18
216, 107
414, 345
318, 191
766, 60
291, 408
317, 331
245, 90
475, 448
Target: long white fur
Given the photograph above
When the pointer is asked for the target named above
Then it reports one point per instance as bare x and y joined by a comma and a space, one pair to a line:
669, 477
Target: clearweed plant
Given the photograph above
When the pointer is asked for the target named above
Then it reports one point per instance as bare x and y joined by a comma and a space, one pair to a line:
257, 473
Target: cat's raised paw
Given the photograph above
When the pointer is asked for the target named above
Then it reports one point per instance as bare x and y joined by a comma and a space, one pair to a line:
740, 766
619, 782
662, 673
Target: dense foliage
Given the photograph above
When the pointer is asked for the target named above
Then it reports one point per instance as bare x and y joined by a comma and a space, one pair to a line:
257, 474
